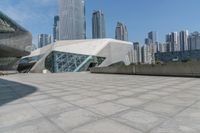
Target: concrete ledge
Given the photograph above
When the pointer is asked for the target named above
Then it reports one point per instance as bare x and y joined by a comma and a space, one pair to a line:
118, 68
7, 72
187, 69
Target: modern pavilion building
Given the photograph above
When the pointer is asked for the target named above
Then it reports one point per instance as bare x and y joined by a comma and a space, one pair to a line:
77, 55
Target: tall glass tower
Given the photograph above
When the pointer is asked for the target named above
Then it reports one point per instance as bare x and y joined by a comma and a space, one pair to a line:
98, 25
121, 32
43, 40
72, 20
152, 36
183, 39
56, 29
174, 42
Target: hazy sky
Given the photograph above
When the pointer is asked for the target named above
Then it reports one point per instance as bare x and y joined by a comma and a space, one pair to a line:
140, 16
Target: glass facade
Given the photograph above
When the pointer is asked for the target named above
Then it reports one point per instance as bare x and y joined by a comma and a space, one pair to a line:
5, 27
98, 25
15, 42
72, 20
26, 63
69, 62
56, 29
152, 37
27, 60
43, 40
6, 63
121, 32
8, 25
178, 56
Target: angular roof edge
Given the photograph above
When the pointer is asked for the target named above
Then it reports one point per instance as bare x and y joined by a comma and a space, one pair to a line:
64, 43
88, 40
12, 22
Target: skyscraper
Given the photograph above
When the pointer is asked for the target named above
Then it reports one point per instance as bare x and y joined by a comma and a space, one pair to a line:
194, 41
56, 29
161, 47
151, 47
121, 32
98, 25
152, 36
172, 41
137, 57
43, 40
183, 37
147, 41
72, 20
168, 42
147, 54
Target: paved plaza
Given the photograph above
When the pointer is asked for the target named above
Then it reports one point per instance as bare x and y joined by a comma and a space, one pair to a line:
98, 103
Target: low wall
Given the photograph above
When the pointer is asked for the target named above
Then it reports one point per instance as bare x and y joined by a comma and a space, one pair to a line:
130, 70
191, 69
2, 73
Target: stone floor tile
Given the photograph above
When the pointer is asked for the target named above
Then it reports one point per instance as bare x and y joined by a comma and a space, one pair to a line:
107, 108
73, 119
105, 126
140, 119
163, 108
132, 102
18, 113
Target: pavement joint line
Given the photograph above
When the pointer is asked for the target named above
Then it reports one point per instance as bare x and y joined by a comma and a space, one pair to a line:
171, 118
80, 107
43, 116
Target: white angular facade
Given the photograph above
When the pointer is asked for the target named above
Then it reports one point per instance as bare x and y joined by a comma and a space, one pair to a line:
72, 20
79, 55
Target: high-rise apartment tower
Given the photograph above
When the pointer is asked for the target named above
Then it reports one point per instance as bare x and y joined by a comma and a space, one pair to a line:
121, 32
98, 25
72, 24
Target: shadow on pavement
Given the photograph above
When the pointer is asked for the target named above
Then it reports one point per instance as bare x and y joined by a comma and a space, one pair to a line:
11, 91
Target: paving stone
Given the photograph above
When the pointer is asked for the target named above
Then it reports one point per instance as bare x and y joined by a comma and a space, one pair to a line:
87, 102
132, 102
163, 108
36, 126
187, 121
52, 109
178, 101
140, 119
105, 126
73, 119
107, 108
18, 113
108, 97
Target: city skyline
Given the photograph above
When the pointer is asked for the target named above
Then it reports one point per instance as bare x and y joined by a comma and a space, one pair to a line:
140, 21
